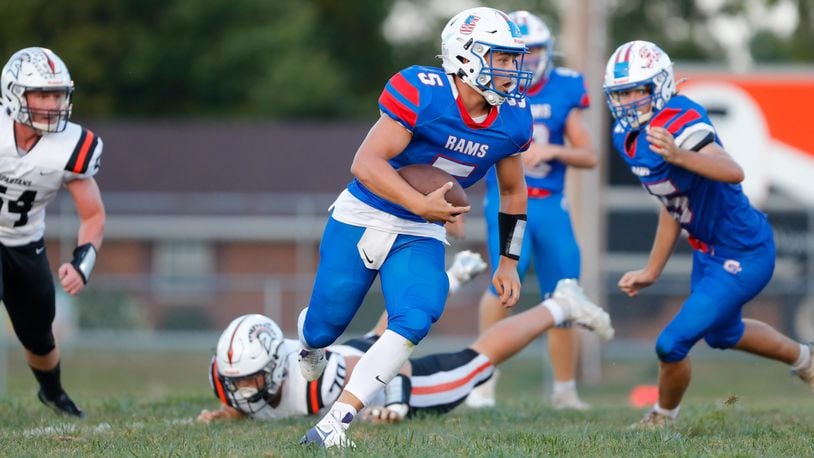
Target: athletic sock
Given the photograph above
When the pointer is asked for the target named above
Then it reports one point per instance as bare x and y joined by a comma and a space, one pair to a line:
301, 329
672, 413
804, 360
562, 387
454, 284
377, 367
49, 381
557, 312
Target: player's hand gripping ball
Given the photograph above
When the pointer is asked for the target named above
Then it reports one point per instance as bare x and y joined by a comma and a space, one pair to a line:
425, 179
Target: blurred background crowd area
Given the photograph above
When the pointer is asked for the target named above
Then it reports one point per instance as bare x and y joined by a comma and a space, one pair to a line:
229, 127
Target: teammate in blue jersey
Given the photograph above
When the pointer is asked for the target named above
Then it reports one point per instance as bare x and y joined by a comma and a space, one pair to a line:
669, 143
455, 119
557, 97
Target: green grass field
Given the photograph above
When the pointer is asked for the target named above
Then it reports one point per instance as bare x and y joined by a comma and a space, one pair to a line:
143, 404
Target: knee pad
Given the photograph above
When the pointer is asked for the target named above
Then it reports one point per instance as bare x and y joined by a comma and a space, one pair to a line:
669, 349
413, 324
40, 343
322, 330
320, 333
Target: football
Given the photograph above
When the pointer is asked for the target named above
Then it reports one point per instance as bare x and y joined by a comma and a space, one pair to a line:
426, 179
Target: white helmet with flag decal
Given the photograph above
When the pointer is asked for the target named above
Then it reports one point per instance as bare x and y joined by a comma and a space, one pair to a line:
638, 64
251, 361
36, 70
536, 35
467, 45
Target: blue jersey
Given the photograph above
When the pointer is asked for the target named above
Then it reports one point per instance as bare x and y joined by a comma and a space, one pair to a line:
717, 215
551, 102
425, 102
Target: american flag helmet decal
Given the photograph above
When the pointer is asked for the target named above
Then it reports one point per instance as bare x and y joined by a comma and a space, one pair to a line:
469, 24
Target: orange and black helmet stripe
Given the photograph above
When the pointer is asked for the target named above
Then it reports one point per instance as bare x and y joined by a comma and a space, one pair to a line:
217, 384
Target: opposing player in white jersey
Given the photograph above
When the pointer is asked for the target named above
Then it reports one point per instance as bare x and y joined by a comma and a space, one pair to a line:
255, 373
289, 394
41, 151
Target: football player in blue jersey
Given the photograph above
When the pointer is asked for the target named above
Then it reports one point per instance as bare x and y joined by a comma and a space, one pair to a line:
463, 118
557, 97
669, 143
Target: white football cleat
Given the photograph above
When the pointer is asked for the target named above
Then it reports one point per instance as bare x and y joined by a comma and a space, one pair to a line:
653, 420
467, 265
581, 310
568, 400
312, 363
483, 395
478, 401
329, 432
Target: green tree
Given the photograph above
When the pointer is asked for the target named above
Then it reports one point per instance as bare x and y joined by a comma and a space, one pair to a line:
314, 58
677, 27
769, 47
206, 58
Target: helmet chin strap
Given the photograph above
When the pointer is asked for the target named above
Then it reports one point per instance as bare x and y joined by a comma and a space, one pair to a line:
492, 98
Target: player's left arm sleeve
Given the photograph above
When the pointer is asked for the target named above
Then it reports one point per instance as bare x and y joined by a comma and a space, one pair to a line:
523, 137
693, 131
689, 124
581, 98
695, 137
400, 100
86, 157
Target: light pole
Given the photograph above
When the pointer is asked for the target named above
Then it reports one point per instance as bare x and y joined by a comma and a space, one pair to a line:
585, 37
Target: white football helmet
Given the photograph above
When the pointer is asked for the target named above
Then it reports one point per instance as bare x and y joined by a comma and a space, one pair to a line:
251, 359
467, 43
635, 64
36, 69
536, 35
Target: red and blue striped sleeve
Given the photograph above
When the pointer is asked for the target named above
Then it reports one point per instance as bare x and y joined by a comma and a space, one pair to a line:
582, 99
675, 119
400, 101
